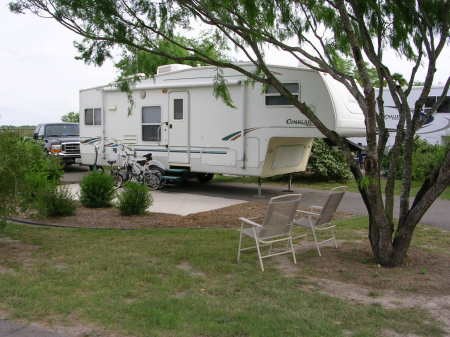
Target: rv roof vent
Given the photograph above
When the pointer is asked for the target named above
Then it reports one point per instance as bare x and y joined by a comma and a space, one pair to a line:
171, 67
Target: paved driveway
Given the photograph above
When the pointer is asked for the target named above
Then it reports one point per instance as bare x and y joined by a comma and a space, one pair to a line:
438, 215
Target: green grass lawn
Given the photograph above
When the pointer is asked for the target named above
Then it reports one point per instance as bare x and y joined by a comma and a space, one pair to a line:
175, 283
322, 185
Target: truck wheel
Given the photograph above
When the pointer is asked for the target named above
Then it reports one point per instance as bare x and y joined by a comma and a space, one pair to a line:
205, 177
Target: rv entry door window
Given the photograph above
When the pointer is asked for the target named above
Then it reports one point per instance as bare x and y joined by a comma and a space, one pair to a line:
151, 123
273, 97
178, 109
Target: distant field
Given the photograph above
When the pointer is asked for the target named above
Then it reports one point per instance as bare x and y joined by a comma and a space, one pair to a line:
25, 131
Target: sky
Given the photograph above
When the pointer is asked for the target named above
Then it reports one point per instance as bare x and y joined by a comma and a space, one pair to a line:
40, 77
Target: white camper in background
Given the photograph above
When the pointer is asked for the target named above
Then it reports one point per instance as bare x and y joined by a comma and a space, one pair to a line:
176, 117
436, 130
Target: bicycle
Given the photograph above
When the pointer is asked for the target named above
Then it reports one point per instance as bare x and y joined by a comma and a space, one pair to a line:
130, 169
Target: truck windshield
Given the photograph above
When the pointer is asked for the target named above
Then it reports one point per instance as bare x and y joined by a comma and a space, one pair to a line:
62, 130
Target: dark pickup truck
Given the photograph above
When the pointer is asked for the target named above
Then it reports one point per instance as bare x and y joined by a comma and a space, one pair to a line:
61, 140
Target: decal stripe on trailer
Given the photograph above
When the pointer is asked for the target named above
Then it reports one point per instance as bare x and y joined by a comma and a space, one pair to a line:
182, 151
235, 135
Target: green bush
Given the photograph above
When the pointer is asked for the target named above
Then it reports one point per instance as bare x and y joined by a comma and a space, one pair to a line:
327, 163
2, 225
25, 171
134, 199
425, 158
56, 202
97, 190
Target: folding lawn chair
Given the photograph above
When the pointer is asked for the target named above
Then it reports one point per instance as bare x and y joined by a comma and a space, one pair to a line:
276, 227
318, 219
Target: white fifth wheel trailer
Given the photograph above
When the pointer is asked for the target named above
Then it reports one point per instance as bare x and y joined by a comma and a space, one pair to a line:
176, 117
435, 130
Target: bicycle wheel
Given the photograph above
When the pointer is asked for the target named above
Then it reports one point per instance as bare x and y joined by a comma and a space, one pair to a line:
153, 179
118, 178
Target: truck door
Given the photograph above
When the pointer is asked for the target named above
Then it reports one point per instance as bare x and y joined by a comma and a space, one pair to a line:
178, 128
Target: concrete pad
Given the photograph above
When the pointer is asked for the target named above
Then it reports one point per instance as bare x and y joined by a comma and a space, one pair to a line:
178, 203
7, 328
188, 203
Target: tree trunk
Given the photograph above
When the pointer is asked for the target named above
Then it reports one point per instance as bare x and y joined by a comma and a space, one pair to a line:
380, 237
388, 252
401, 245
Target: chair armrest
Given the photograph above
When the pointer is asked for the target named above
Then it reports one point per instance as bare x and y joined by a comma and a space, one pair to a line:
308, 213
325, 226
250, 222
319, 208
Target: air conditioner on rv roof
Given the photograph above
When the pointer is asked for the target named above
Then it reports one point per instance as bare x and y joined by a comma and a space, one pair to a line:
171, 67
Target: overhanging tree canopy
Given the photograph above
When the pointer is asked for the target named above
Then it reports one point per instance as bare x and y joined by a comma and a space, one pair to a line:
321, 34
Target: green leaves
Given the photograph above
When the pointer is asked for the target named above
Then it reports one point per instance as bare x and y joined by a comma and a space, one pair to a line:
327, 163
25, 171
97, 190
71, 117
221, 89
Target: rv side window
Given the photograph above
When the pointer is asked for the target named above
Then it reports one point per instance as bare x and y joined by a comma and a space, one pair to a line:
151, 123
273, 97
97, 116
93, 116
178, 109
89, 116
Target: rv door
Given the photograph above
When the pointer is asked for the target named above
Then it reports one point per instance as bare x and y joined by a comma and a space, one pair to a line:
178, 128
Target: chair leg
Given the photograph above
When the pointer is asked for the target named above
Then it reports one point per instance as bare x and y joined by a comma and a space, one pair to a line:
259, 254
334, 237
311, 225
315, 240
293, 251
240, 245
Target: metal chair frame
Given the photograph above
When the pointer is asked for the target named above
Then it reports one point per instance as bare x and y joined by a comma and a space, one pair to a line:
262, 233
319, 218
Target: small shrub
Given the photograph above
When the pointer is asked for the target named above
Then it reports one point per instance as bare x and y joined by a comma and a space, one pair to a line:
25, 172
56, 202
2, 224
97, 190
327, 163
134, 199
425, 158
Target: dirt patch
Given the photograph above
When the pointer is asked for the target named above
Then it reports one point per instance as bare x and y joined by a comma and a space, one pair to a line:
351, 273
6, 270
425, 272
15, 252
226, 217
436, 305
75, 328
185, 266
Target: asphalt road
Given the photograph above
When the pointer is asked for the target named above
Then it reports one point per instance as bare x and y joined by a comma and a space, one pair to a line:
438, 215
